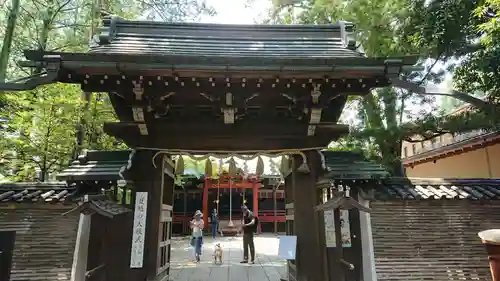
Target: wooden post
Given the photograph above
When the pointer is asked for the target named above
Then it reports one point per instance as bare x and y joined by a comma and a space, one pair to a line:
309, 255
274, 210
255, 198
205, 202
148, 177
289, 223
185, 223
368, 255
79, 267
339, 247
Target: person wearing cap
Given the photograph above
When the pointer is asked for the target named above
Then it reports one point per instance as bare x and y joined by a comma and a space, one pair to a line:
248, 230
197, 225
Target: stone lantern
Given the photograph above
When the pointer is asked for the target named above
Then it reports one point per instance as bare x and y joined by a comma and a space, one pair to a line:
491, 239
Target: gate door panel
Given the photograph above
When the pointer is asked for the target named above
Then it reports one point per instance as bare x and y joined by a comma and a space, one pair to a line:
164, 245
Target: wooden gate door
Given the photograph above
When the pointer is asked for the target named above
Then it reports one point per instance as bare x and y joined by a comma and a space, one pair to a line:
165, 241
290, 230
7, 239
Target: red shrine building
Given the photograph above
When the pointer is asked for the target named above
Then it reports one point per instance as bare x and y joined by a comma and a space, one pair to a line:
264, 196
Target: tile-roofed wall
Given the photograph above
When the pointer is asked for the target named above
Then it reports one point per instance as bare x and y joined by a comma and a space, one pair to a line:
45, 239
421, 189
432, 240
28, 192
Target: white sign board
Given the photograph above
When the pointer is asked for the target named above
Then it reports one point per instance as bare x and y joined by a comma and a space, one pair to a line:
344, 229
287, 247
139, 230
329, 228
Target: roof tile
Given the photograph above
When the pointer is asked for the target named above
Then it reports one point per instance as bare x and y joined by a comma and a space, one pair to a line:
416, 189
55, 192
120, 36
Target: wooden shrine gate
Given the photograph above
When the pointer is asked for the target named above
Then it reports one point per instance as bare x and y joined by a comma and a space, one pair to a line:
217, 89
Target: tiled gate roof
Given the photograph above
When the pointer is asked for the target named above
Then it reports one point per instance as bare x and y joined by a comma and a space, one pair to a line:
96, 165
347, 165
216, 42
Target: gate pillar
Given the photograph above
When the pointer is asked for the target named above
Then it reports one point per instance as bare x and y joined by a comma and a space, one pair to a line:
152, 173
310, 256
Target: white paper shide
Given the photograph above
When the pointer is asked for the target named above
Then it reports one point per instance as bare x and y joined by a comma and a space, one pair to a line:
139, 231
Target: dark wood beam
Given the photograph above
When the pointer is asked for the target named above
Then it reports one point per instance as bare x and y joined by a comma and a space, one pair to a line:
201, 130
218, 86
235, 142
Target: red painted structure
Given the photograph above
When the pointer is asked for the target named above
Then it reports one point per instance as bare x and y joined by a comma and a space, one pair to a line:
193, 197
237, 182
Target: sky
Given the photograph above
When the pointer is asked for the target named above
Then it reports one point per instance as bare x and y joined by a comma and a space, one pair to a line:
235, 12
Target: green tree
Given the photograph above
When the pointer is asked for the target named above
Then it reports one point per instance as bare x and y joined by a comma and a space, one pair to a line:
8, 37
42, 134
465, 35
390, 116
100, 112
41, 125
378, 25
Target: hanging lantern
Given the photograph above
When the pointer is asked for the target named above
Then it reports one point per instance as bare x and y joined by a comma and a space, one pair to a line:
260, 166
179, 166
285, 165
233, 170
208, 168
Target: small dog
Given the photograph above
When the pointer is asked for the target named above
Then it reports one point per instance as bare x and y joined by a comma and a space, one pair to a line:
217, 253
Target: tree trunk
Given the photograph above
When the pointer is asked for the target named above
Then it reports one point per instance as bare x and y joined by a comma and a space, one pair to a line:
43, 37
7, 41
391, 157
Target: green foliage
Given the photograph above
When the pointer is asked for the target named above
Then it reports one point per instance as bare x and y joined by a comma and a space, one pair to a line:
40, 127
100, 112
469, 31
41, 134
436, 31
442, 28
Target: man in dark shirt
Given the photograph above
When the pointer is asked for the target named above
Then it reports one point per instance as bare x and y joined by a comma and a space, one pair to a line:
248, 230
215, 222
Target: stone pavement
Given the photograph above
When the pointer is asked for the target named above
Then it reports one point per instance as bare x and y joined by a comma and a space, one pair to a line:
268, 266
